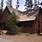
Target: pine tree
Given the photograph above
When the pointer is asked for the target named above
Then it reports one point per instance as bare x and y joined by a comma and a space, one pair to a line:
2, 3
1, 7
38, 2
35, 2
41, 3
9, 2
12, 24
28, 4
17, 4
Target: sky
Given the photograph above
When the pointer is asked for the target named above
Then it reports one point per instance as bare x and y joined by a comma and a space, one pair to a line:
21, 3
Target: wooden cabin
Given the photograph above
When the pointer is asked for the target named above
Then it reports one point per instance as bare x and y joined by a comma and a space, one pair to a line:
38, 22
3, 19
30, 21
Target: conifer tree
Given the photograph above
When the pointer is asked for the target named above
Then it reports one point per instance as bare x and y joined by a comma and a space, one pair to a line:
12, 24
1, 3
1, 7
9, 2
28, 4
17, 4
35, 2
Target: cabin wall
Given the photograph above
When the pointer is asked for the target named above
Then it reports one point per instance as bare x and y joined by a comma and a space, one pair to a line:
6, 14
38, 22
27, 26
40, 19
4, 19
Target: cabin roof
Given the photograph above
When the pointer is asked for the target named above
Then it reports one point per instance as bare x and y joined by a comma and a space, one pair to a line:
9, 8
24, 16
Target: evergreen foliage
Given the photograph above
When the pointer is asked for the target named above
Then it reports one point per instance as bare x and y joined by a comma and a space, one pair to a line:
28, 4
12, 24
17, 4
35, 2
9, 2
41, 3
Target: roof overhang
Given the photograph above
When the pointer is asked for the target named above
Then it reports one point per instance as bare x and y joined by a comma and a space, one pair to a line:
28, 19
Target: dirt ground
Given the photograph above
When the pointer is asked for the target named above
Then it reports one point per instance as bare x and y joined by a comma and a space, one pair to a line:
23, 38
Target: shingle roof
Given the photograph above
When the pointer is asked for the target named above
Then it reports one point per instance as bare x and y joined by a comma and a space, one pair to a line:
26, 15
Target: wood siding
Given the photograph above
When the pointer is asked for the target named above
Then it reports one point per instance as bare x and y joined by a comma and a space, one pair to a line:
39, 22
27, 26
4, 18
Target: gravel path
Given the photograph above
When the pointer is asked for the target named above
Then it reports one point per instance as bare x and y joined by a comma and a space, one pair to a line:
22, 38
5, 40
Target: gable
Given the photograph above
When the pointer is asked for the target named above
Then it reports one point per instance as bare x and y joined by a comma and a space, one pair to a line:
21, 16
6, 14
6, 10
